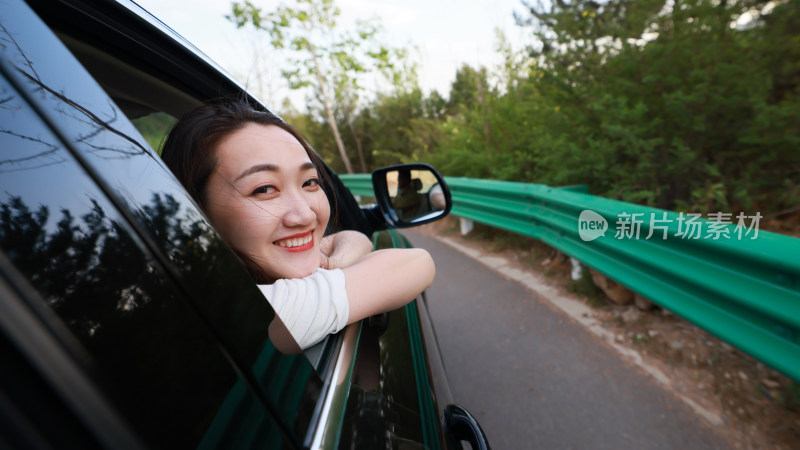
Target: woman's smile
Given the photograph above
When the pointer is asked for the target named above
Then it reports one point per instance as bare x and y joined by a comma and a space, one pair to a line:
297, 243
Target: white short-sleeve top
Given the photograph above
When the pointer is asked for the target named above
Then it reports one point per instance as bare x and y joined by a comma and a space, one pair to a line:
311, 307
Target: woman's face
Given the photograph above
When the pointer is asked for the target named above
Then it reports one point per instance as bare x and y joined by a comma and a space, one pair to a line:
265, 199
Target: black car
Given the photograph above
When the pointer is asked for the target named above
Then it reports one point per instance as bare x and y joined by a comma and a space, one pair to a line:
125, 321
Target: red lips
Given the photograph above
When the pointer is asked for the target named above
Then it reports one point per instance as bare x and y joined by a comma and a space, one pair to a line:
296, 246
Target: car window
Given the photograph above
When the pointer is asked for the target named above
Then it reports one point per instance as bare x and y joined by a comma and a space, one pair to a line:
124, 318
128, 205
154, 127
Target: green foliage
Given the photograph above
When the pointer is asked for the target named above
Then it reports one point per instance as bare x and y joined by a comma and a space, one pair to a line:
327, 60
154, 128
670, 108
585, 287
668, 104
468, 89
793, 396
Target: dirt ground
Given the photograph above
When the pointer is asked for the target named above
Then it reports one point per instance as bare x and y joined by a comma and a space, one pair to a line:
759, 407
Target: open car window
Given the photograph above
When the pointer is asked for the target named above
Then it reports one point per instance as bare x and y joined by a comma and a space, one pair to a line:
151, 97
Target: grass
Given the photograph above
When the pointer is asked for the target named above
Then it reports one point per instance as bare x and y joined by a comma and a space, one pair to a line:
586, 288
791, 400
499, 240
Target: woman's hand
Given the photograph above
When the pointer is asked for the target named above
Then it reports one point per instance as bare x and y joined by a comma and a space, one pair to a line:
343, 249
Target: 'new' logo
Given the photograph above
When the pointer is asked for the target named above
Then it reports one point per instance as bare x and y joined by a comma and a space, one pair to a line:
591, 225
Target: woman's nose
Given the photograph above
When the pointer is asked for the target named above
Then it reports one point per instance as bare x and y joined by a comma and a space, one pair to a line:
298, 212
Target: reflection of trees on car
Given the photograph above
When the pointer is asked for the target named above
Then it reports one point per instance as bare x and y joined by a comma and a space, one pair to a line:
99, 283
88, 259
121, 306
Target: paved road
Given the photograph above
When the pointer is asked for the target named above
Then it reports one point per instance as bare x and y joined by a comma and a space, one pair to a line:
536, 379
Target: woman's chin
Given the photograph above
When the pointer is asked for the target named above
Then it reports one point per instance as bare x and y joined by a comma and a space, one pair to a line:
298, 269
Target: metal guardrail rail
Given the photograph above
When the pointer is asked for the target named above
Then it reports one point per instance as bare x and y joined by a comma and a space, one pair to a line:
359, 184
746, 291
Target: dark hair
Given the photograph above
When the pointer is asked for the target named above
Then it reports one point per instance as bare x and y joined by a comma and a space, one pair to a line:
190, 150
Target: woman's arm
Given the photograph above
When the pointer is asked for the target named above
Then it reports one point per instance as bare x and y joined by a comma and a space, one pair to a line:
281, 337
385, 280
378, 282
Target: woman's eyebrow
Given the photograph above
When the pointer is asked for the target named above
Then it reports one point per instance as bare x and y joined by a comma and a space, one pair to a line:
271, 168
257, 168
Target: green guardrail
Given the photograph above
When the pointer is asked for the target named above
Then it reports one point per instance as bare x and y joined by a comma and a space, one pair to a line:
744, 290
359, 184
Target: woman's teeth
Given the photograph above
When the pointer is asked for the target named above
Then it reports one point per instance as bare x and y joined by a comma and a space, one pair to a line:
295, 242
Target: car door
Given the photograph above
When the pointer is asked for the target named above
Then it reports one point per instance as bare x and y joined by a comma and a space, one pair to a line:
159, 335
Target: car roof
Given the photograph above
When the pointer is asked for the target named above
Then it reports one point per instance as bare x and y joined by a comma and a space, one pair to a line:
143, 64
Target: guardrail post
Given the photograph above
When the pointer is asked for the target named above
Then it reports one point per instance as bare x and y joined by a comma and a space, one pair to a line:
577, 269
466, 226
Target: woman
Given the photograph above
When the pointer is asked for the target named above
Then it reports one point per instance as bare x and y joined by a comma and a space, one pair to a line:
260, 185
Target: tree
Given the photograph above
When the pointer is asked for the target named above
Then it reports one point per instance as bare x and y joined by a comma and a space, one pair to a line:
666, 103
324, 59
468, 89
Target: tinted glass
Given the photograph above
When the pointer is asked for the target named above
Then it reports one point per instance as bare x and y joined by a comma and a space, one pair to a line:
135, 179
32, 411
149, 349
132, 208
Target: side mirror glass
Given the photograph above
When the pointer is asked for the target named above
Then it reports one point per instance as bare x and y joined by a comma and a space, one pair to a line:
411, 194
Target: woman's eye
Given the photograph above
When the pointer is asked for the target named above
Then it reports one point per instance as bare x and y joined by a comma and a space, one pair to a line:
266, 189
312, 182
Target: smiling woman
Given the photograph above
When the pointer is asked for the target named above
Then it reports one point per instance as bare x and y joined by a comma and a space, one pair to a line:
265, 195
258, 182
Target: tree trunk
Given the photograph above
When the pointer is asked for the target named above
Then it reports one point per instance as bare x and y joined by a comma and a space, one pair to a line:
329, 114
336, 136
360, 150
487, 127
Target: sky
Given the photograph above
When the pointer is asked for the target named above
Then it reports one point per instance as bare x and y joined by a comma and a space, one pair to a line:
447, 34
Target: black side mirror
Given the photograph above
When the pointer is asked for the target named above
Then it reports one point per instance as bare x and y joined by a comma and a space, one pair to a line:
410, 194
